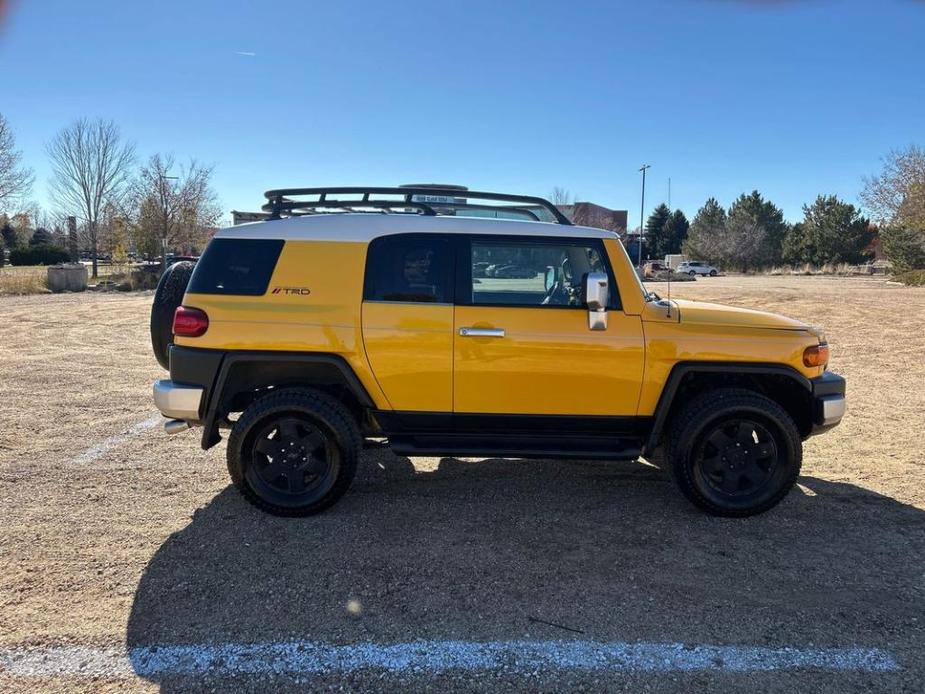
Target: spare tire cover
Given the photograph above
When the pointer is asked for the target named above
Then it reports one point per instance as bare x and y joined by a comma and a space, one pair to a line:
167, 296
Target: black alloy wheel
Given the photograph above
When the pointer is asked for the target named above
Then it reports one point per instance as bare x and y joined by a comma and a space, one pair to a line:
734, 452
294, 451
737, 457
290, 457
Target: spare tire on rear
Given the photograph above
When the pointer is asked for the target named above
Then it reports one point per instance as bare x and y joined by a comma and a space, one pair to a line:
167, 296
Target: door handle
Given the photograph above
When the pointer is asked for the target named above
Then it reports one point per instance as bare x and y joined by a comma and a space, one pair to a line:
481, 332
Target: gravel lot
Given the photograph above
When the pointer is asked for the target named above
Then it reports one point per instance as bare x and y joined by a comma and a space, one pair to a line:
115, 535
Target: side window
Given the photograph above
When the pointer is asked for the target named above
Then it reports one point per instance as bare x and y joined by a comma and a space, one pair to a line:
409, 268
532, 273
238, 267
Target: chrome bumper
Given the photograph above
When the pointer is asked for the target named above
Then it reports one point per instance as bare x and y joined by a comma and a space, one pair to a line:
829, 402
177, 401
833, 409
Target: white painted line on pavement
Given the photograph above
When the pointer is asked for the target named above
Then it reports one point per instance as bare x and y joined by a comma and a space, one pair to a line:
428, 657
96, 451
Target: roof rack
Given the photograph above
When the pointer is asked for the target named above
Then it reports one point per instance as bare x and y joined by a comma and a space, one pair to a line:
426, 200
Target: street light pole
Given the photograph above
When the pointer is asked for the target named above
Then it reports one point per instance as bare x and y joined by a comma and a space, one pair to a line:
642, 211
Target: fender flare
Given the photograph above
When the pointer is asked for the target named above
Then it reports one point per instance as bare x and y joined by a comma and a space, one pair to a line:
348, 378
682, 369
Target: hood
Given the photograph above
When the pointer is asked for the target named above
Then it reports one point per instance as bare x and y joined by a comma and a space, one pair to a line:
703, 313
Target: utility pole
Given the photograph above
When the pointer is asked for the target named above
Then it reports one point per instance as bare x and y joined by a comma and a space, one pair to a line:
642, 210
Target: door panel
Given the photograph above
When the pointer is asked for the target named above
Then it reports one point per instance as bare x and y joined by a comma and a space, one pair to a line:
547, 362
410, 350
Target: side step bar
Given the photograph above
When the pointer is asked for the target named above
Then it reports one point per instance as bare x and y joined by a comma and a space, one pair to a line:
587, 448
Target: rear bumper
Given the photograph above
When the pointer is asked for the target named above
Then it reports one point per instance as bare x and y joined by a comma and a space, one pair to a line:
185, 395
178, 400
829, 403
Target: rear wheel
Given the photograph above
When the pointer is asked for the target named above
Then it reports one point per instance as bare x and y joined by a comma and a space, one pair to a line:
294, 452
712, 273
734, 452
692, 273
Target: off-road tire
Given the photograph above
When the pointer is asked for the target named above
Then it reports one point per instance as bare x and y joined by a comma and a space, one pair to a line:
343, 445
712, 273
692, 273
705, 414
167, 296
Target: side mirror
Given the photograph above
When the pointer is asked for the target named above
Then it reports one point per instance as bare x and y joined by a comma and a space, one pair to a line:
596, 291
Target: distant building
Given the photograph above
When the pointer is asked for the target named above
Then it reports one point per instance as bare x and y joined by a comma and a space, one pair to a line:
247, 217
593, 215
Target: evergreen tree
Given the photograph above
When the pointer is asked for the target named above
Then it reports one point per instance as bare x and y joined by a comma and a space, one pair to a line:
755, 232
41, 237
706, 237
9, 235
677, 228
657, 232
832, 231
904, 246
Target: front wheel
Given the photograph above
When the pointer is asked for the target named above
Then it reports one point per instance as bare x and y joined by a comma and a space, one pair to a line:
734, 452
294, 452
692, 273
712, 273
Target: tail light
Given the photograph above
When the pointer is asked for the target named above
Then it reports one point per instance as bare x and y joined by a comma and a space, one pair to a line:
817, 355
189, 322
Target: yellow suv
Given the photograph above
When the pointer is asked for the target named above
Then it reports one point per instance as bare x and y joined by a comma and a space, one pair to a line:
450, 322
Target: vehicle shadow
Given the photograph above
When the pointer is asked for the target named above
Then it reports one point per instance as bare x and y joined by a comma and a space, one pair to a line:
479, 550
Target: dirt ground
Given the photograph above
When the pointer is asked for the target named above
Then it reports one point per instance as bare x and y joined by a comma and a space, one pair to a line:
114, 534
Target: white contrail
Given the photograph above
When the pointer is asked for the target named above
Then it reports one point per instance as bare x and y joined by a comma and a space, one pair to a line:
249, 54
95, 451
428, 657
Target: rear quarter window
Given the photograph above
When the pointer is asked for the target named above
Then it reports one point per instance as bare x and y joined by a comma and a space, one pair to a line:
240, 267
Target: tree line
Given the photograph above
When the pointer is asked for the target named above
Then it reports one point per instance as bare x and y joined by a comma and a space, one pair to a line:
153, 207
753, 234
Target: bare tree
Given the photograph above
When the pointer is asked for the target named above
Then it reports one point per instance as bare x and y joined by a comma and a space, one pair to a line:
897, 195
91, 166
561, 197
174, 211
15, 179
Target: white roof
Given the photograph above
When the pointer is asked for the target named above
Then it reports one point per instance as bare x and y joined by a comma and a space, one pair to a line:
363, 227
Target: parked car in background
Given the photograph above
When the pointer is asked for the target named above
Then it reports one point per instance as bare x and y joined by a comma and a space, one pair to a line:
653, 267
478, 269
515, 272
697, 267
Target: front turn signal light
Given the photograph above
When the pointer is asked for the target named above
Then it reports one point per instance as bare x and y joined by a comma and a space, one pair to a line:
817, 355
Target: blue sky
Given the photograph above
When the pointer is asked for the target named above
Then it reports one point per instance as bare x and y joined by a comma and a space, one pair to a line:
723, 96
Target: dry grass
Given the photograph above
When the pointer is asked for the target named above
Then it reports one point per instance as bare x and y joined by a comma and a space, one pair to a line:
32, 279
840, 269
23, 280
912, 278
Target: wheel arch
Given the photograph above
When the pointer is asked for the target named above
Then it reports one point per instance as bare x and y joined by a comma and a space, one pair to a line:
782, 384
245, 376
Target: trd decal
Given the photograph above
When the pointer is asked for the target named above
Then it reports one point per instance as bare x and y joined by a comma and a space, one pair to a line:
301, 291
